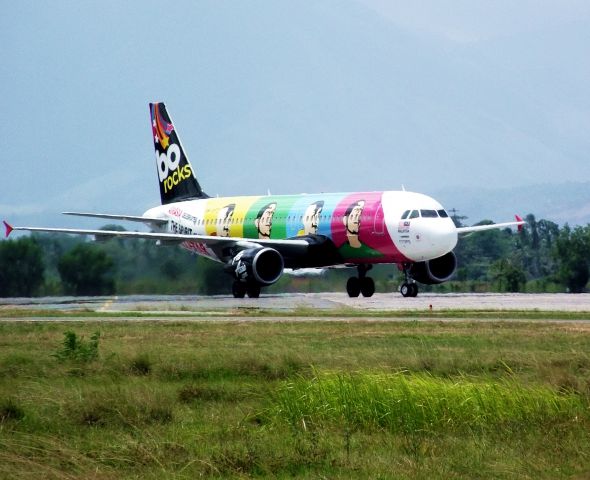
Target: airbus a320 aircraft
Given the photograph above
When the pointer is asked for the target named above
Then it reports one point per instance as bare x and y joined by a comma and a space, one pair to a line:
257, 237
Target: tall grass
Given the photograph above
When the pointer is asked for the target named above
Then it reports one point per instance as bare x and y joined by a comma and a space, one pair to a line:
239, 400
420, 402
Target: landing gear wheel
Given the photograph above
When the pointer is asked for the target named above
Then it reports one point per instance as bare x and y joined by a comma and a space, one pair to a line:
238, 289
253, 291
353, 287
409, 289
367, 286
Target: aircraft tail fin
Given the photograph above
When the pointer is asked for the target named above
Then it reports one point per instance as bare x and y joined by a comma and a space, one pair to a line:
175, 173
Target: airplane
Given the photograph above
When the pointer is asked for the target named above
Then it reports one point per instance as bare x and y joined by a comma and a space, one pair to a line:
258, 237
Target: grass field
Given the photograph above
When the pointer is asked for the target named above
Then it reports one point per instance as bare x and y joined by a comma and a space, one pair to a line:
349, 399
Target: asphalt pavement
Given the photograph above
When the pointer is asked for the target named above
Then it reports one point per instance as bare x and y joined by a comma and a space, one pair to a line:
310, 302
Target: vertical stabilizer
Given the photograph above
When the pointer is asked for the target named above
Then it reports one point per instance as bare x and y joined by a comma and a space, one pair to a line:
175, 173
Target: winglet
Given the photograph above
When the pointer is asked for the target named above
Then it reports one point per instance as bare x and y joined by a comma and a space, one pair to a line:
519, 219
8, 228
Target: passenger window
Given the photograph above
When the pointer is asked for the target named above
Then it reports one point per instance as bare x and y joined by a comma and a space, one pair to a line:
428, 213
405, 215
443, 213
414, 214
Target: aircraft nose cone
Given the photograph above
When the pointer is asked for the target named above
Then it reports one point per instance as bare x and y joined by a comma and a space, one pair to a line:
450, 236
434, 239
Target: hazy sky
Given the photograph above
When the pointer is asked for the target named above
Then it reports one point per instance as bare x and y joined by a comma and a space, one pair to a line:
288, 96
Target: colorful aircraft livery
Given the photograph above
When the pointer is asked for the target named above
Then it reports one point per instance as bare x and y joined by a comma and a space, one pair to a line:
354, 222
257, 237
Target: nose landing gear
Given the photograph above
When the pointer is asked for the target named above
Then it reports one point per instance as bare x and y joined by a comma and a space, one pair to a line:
362, 284
409, 288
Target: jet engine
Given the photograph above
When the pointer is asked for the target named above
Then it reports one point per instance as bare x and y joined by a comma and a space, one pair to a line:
258, 265
432, 272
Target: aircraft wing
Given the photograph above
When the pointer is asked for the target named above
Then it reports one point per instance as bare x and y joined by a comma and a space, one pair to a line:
519, 223
129, 218
285, 247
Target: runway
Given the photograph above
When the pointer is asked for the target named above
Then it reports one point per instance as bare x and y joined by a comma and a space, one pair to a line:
305, 303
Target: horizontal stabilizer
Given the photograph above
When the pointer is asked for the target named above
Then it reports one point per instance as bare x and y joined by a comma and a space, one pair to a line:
129, 218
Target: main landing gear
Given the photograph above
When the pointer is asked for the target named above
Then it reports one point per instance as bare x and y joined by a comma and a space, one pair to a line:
362, 284
409, 288
240, 289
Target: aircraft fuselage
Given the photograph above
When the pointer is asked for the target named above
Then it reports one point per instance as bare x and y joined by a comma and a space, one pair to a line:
365, 227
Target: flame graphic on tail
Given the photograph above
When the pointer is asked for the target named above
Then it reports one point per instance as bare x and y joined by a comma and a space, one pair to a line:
160, 127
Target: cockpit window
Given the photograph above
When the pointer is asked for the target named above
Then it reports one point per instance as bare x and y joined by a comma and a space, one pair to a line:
414, 214
429, 213
443, 213
405, 215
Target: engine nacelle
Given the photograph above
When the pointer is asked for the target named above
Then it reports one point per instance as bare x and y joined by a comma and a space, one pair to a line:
260, 265
432, 272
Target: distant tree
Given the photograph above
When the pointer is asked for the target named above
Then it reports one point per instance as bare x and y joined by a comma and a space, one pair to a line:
212, 278
171, 269
548, 232
113, 227
535, 245
86, 270
21, 267
506, 276
572, 249
528, 246
476, 252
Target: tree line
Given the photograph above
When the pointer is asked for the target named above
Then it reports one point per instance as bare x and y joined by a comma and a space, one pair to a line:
543, 257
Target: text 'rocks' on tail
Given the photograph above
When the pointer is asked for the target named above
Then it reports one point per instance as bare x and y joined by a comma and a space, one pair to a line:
175, 173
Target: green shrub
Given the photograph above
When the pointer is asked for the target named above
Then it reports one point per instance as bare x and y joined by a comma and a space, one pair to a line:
78, 349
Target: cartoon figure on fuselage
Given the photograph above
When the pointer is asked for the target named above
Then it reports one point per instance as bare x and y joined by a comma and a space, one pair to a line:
224, 218
311, 218
352, 222
257, 237
263, 220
